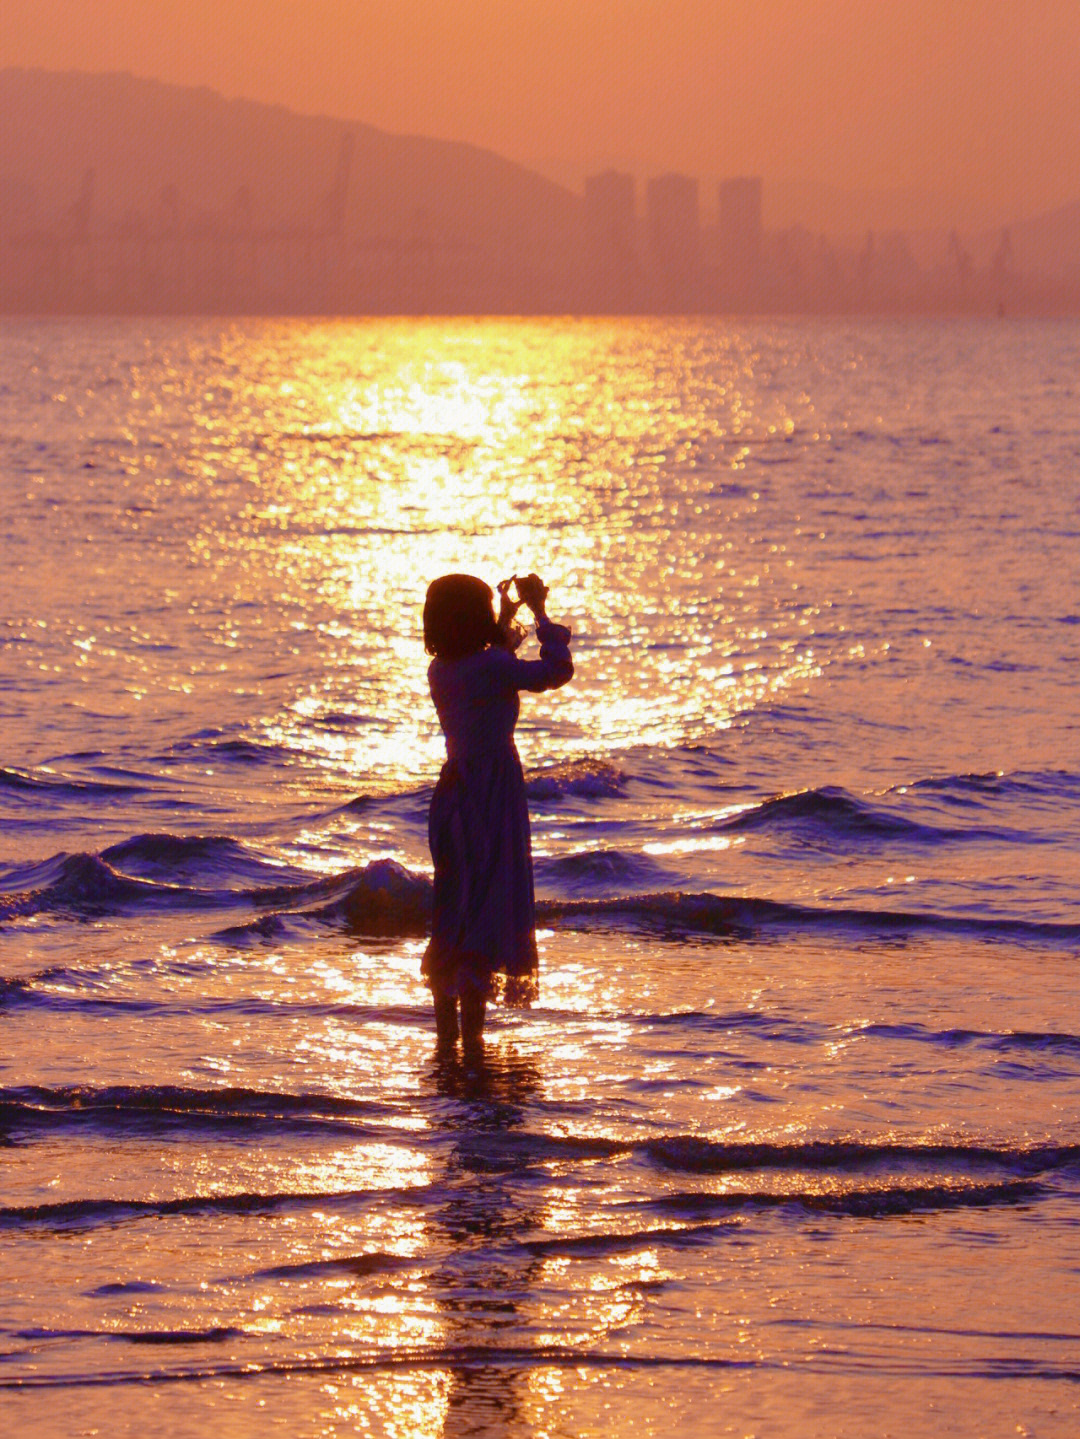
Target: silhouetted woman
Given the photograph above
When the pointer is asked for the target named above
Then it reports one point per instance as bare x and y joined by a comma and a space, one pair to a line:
483, 942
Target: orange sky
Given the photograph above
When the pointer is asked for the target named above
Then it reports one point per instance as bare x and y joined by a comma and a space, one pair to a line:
972, 100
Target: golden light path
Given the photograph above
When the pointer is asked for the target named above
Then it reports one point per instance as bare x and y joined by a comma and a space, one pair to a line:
395, 453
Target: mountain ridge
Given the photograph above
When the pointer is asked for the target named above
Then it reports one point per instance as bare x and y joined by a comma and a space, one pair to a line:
142, 138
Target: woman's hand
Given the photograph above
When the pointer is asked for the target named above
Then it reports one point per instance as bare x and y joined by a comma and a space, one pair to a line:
508, 608
532, 592
512, 633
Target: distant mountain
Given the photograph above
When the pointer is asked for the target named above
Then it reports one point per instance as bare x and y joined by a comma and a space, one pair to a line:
144, 153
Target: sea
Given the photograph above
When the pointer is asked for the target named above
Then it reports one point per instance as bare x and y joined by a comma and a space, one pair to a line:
789, 1145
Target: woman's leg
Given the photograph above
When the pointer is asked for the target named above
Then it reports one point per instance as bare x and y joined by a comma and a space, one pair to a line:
446, 1020
473, 1010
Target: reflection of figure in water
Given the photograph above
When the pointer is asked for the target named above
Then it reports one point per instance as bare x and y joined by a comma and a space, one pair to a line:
483, 943
489, 1266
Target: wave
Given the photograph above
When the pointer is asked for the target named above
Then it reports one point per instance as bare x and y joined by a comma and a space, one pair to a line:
585, 778
677, 915
790, 1031
863, 1202
509, 1359
213, 1334
161, 871
216, 857
596, 868
459, 1358
590, 777
355, 1266
113, 1211
30, 1109
165, 850
692, 1154
215, 746
385, 899
577, 778
27, 1109
595, 777
868, 1203
39, 992
112, 1108
826, 813
85, 883
963, 788
604, 1244
30, 786
1036, 1041
831, 811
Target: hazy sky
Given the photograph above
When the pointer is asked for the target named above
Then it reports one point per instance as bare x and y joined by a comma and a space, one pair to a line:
974, 100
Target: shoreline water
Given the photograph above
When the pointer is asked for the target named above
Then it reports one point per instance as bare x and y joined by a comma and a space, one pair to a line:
789, 1140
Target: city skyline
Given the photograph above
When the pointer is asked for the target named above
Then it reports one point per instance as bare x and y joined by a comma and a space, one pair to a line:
951, 115
125, 193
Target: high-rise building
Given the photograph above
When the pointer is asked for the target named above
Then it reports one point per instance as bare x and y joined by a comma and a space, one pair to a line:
673, 224
739, 226
609, 213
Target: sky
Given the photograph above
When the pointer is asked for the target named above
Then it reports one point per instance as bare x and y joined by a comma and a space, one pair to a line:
963, 111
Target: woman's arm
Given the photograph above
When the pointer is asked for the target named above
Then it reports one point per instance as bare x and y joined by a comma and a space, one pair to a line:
512, 633
555, 666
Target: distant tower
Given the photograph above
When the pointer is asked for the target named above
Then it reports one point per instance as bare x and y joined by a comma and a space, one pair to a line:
80, 211
671, 208
609, 213
1002, 264
338, 194
868, 259
960, 261
740, 231
894, 258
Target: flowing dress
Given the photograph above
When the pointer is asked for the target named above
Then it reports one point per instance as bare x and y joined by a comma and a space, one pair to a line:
482, 933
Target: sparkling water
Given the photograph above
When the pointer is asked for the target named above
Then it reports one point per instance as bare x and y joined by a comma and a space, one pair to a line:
790, 1144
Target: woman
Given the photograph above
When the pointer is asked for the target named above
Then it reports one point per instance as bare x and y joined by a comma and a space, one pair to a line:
483, 942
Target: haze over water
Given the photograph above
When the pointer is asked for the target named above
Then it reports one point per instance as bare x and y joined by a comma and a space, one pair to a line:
898, 116
790, 1143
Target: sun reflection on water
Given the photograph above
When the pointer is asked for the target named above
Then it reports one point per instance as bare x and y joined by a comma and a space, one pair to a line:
390, 453
410, 1404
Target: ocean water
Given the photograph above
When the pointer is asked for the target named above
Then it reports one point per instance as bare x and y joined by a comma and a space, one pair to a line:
790, 1145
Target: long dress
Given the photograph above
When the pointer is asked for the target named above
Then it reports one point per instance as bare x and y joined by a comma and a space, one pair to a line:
483, 936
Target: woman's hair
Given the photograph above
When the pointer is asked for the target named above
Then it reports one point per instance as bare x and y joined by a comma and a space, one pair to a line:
459, 618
